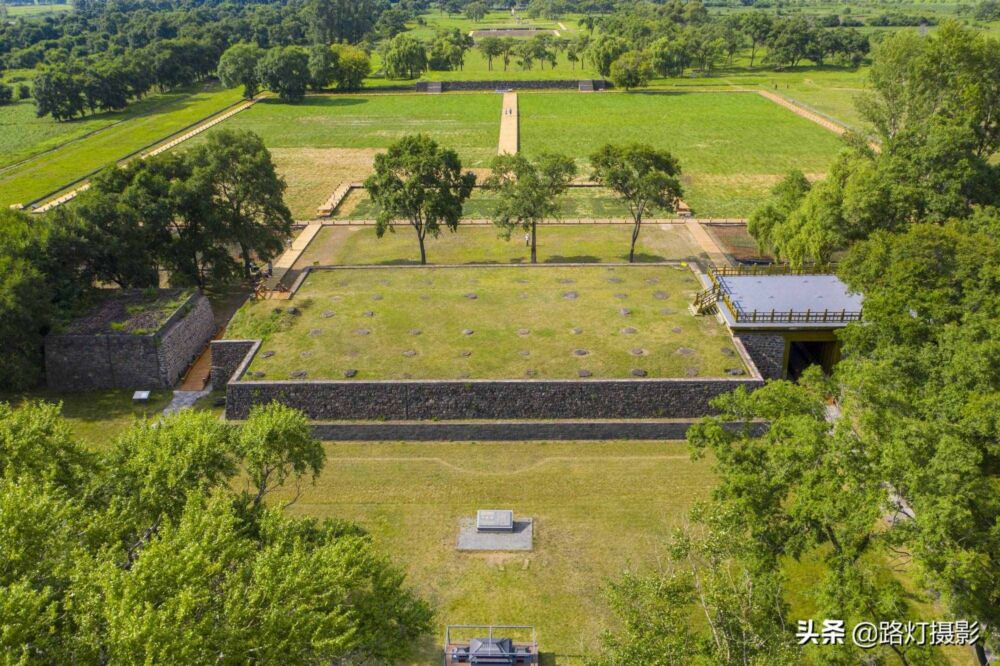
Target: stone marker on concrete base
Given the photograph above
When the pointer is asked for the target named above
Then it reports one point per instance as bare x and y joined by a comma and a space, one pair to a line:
495, 529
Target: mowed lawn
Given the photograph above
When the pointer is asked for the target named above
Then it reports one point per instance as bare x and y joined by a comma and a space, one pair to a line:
544, 322
480, 244
575, 203
328, 139
143, 126
732, 147
599, 508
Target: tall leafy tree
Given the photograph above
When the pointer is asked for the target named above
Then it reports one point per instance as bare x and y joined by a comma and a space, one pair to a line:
285, 70
25, 299
631, 70
147, 552
645, 178
490, 47
404, 57
419, 182
238, 67
353, 65
528, 192
921, 385
247, 193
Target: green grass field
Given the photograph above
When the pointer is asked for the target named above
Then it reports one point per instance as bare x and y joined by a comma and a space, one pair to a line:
576, 203
97, 417
15, 11
326, 139
599, 508
142, 124
543, 322
733, 147
583, 243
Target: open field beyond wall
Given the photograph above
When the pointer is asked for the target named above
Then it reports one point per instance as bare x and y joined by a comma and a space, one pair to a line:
733, 147
326, 140
489, 323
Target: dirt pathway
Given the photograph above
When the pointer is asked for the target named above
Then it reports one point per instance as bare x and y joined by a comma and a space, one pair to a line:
508, 125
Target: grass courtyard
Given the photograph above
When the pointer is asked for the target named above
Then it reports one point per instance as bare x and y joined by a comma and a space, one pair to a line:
543, 322
612, 508
479, 244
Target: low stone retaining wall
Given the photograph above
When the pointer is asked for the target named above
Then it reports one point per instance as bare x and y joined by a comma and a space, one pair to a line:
227, 356
568, 84
485, 399
767, 351
129, 361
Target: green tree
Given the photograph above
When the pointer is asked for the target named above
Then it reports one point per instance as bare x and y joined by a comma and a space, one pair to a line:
285, 70
418, 181
669, 56
785, 198
238, 66
353, 66
247, 193
148, 552
490, 47
475, 11
276, 444
806, 488
952, 77
645, 178
404, 58
744, 609
59, 94
631, 70
528, 192
604, 50
757, 26
323, 65
25, 299
920, 389
120, 228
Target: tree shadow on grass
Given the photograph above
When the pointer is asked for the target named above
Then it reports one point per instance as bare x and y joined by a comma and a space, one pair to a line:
646, 258
318, 100
577, 259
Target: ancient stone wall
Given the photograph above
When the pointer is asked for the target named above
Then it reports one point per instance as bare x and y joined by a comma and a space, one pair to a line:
485, 399
767, 351
569, 84
227, 356
129, 361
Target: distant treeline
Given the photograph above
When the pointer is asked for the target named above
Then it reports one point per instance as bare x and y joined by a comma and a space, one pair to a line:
103, 55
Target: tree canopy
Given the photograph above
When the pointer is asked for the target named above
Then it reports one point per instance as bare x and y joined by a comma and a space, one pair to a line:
419, 182
645, 178
147, 553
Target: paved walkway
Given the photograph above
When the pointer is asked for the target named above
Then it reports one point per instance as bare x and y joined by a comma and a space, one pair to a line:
184, 400
825, 123
508, 125
707, 243
155, 151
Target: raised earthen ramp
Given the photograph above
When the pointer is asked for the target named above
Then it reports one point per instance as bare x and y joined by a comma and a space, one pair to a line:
508, 125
